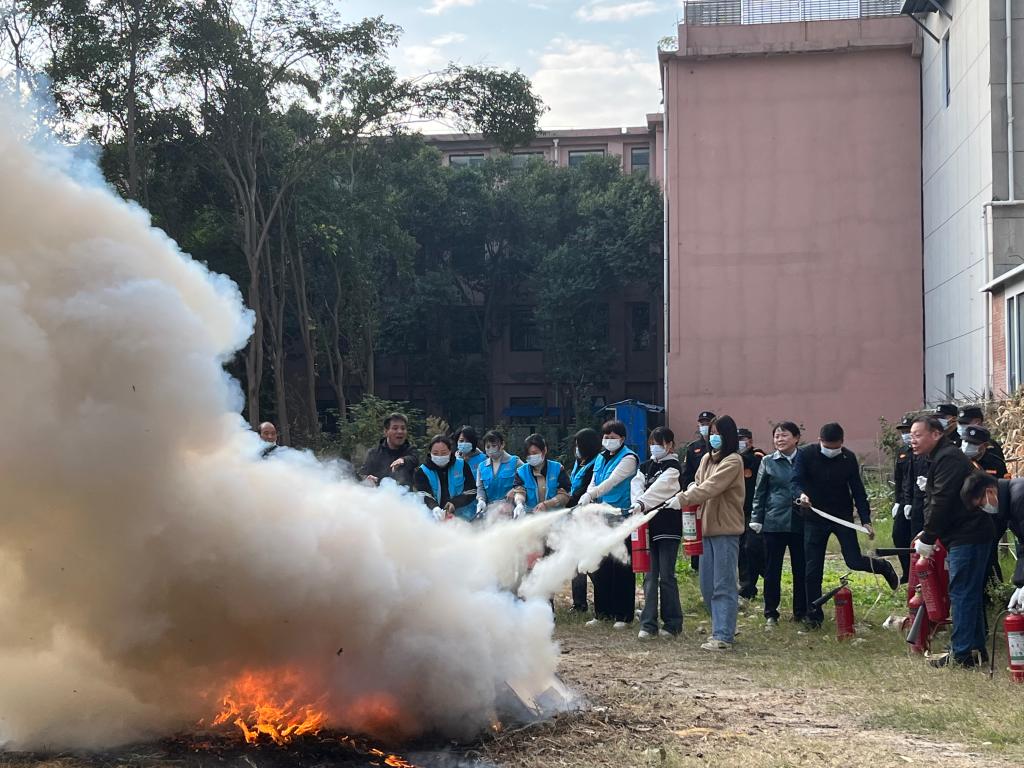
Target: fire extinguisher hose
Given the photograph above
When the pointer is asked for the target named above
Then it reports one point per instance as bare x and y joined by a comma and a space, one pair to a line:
995, 631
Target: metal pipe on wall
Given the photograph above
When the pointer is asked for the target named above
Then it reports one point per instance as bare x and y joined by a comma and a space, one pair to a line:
1010, 163
665, 234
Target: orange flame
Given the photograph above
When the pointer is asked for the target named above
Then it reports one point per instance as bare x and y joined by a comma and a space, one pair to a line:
263, 704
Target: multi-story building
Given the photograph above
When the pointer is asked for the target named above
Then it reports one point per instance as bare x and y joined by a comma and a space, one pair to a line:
794, 214
973, 206
520, 392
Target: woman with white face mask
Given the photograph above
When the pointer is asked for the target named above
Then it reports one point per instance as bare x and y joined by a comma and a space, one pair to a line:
445, 482
614, 584
540, 483
466, 442
495, 475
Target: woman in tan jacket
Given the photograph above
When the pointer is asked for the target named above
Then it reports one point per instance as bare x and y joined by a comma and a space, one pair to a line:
719, 489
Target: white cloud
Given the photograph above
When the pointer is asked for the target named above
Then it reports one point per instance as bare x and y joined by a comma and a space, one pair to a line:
592, 85
419, 59
451, 37
598, 11
437, 7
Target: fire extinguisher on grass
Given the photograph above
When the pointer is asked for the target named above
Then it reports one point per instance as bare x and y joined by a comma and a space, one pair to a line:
1013, 625
693, 539
844, 607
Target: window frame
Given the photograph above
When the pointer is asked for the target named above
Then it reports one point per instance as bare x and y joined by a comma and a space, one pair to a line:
632, 162
581, 155
471, 156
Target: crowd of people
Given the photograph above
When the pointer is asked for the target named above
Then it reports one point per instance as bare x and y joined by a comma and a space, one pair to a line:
952, 489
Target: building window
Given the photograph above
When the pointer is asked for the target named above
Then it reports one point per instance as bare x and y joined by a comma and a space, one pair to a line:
640, 160
1014, 323
464, 161
522, 159
640, 320
950, 386
577, 156
946, 77
524, 334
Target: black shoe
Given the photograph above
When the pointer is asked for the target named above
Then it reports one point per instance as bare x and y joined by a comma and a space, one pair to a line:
889, 574
578, 609
811, 625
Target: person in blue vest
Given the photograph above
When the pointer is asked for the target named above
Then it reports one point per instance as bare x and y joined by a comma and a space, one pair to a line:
614, 583
446, 482
467, 442
495, 475
586, 447
541, 483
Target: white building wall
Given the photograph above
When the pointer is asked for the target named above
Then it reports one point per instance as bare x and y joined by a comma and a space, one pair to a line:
957, 177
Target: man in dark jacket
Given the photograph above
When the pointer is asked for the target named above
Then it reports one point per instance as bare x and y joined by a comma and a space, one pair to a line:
826, 476
751, 561
902, 508
973, 416
394, 457
965, 532
948, 415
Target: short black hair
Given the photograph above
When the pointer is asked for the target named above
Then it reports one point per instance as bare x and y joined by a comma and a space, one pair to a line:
614, 427
663, 435
975, 486
787, 426
537, 441
932, 422
726, 427
494, 436
589, 443
832, 433
469, 434
396, 416
440, 439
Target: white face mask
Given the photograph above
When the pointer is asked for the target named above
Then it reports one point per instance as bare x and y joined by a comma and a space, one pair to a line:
830, 453
611, 444
944, 422
535, 459
961, 429
992, 509
704, 429
492, 450
658, 452
743, 446
578, 454
465, 448
440, 461
906, 438
970, 450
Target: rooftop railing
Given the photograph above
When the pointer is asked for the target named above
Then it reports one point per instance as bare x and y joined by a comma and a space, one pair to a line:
712, 12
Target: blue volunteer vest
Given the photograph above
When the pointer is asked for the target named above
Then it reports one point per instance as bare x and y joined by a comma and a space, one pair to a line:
474, 462
456, 485
576, 477
619, 496
497, 487
525, 473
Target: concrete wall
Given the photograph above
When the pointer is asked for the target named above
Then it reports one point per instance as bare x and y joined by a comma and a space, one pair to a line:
795, 219
957, 181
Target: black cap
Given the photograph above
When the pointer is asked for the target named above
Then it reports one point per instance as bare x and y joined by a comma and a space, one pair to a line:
969, 412
946, 409
744, 432
906, 423
706, 416
977, 435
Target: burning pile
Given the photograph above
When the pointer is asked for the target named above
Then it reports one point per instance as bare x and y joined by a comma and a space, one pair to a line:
263, 705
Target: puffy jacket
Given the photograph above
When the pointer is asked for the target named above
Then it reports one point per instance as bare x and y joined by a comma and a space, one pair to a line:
945, 516
720, 490
379, 460
773, 496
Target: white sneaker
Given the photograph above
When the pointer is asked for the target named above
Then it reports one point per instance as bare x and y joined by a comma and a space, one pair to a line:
666, 634
619, 625
592, 623
716, 645
643, 634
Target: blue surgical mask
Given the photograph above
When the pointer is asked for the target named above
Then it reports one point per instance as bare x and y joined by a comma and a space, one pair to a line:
961, 429
704, 429
906, 438
944, 422
657, 452
743, 446
440, 461
465, 448
970, 450
716, 442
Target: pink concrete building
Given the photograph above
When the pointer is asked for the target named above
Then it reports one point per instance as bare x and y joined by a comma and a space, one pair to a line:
794, 223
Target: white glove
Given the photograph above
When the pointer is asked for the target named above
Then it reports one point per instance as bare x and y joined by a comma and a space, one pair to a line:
1016, 604
906, 511
518, 512
673, 503
922, 481
481, 507
895, 510
924, 550
755, 527
584, 500
636, 509
438, 514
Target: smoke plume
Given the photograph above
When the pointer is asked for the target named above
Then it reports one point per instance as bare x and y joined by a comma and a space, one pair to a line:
148, 557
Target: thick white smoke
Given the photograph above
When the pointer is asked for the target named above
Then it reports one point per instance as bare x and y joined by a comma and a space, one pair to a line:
148, 557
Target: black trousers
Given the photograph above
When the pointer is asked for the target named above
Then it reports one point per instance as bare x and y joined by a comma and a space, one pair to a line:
614, 590
662, 590
751, 562
815, 541
902, 535
775, 545
579, 592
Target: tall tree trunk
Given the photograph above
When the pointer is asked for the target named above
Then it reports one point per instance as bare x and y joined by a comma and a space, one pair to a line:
305, 322
131, 103
277, 291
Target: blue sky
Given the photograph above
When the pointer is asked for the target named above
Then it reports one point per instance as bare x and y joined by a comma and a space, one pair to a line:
593, 62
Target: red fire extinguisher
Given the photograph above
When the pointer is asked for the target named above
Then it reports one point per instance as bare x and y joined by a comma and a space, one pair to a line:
844, 607
640, 547
934, 582
1014, 628
693, 541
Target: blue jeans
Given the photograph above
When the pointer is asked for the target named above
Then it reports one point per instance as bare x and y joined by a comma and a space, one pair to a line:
968, 564
718, 571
